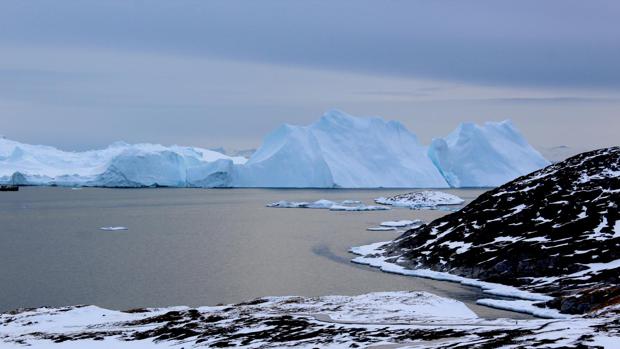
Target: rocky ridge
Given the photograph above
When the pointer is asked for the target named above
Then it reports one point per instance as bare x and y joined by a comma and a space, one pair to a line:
555, 231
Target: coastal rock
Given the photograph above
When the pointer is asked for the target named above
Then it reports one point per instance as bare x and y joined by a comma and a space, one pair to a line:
554, 231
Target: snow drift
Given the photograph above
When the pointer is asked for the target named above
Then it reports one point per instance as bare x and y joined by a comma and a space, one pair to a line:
337, 151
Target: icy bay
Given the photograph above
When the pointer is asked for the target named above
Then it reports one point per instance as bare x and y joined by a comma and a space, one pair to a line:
194, 247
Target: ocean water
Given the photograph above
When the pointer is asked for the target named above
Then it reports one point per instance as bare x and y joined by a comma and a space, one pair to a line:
194, 247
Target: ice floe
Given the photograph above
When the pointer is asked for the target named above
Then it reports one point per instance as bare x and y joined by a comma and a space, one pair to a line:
401, 223
421, 199
345, 205
381, 228
358, 208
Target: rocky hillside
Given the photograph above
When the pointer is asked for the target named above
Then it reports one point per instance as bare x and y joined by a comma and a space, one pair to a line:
555, 231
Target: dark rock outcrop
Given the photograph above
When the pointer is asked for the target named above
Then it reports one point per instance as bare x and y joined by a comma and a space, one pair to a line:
556, 231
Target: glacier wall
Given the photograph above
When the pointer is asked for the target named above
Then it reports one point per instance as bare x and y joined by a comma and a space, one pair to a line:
337, 151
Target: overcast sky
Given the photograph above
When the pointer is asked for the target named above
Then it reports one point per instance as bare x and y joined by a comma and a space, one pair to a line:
82, 74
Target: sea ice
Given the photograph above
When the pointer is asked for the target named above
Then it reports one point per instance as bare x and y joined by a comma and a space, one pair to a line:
381, 228
358, 208
421, 199
345, 205
401, 223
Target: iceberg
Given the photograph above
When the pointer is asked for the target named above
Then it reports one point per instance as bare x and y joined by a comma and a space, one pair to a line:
341, 151
118, 165
484, 156
337, 151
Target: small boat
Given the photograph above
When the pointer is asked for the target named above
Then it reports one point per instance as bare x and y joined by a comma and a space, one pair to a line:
9, 188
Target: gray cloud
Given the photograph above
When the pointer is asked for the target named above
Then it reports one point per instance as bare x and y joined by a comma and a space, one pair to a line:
82, 74
560, 43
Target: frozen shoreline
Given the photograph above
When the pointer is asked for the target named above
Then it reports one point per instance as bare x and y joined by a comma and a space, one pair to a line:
523, 302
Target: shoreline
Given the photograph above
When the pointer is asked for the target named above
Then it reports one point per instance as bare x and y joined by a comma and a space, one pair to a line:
522, 301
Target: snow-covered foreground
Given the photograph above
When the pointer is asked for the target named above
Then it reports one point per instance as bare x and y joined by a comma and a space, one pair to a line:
338, 150
387, 318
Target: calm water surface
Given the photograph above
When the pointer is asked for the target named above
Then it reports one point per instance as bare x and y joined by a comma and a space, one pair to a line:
193, 247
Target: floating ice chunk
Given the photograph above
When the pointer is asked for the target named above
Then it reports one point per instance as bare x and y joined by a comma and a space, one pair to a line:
381, 228
350, 202
421, 199
345, 205
113, 228
289, 204
322, 204
401, 223
358, 208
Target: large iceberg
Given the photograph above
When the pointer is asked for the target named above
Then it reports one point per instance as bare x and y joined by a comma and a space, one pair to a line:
119, 165
343, 151
484, 156
337, 151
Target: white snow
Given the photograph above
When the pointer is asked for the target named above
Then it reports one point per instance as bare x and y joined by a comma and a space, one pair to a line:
372, 255
593, 268
367, 320
113, 228
523, 306
460, 246
338, 150
484, 156
421, 199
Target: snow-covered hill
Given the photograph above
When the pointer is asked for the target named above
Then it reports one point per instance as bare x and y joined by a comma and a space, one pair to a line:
555, 231
338, 150
374, 320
